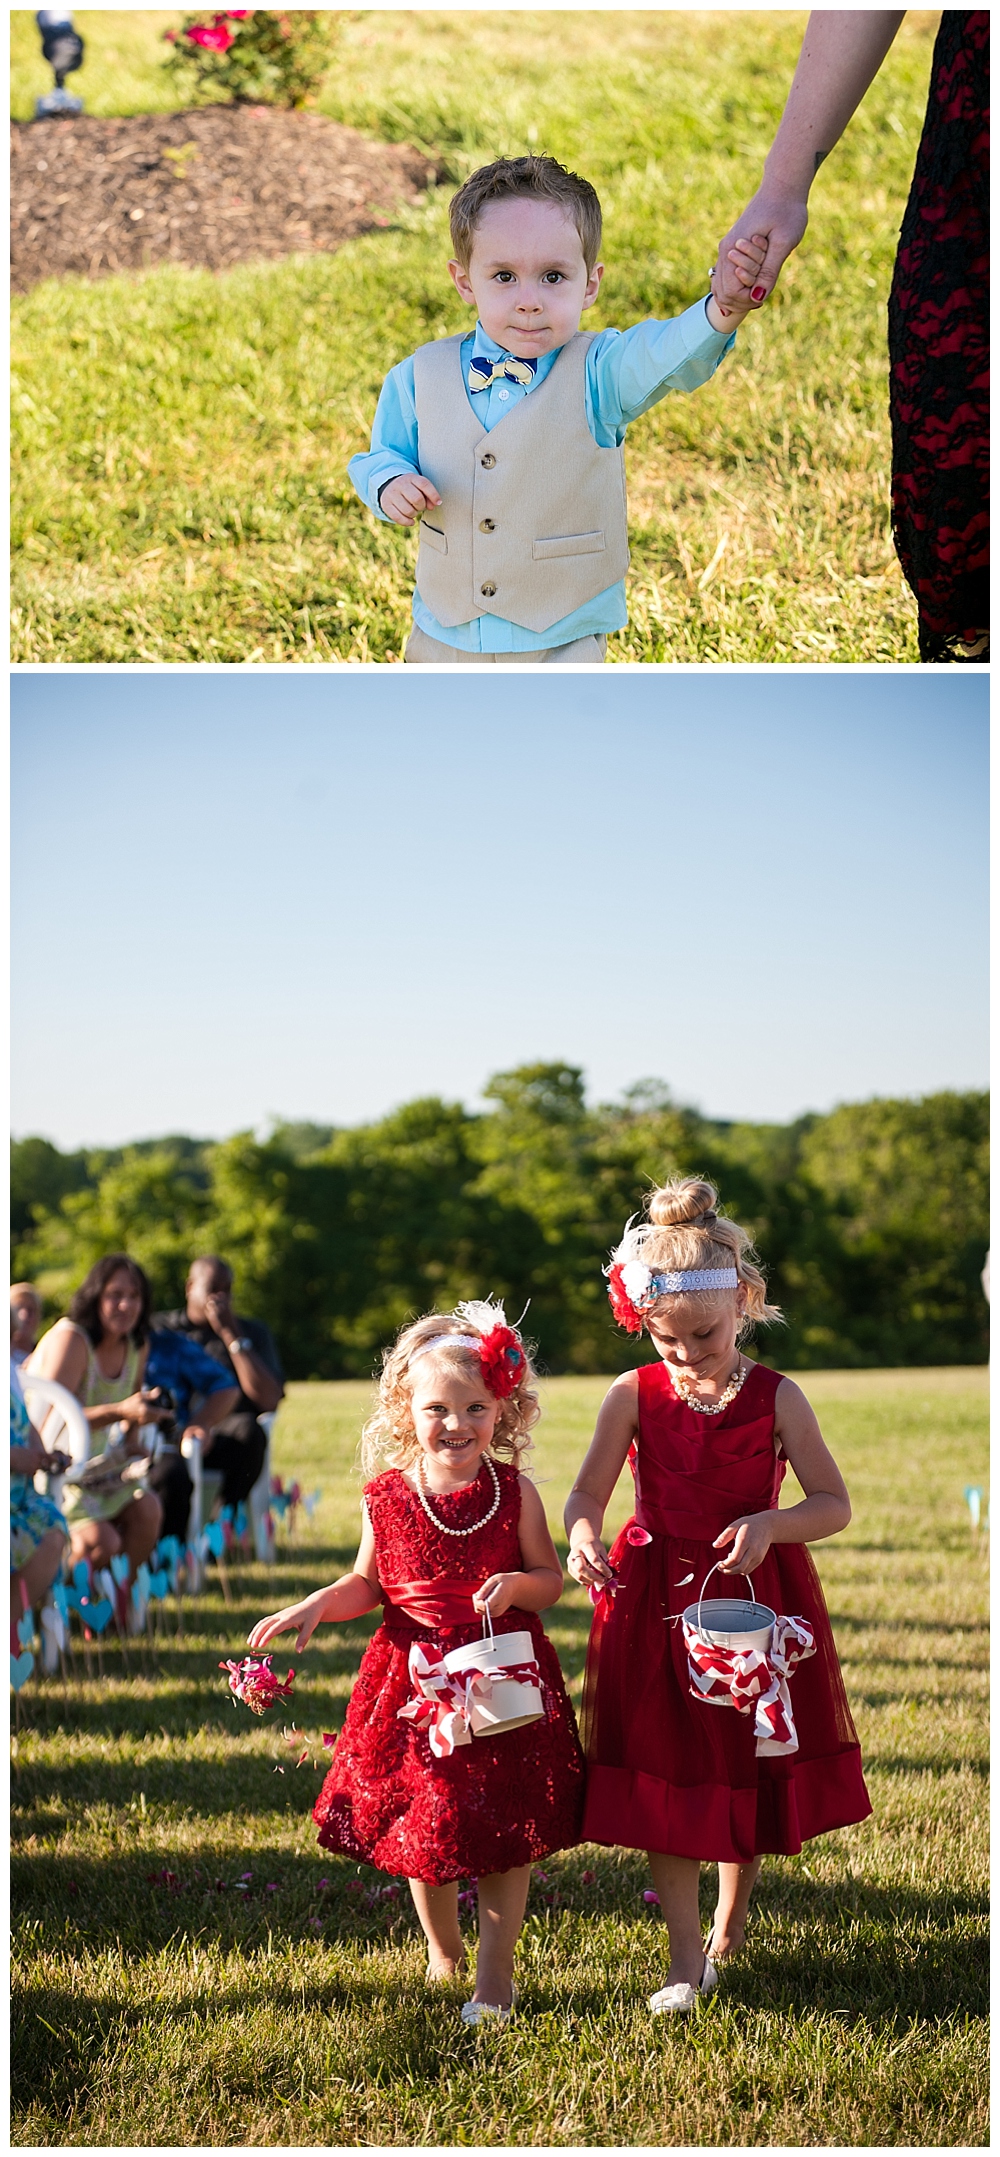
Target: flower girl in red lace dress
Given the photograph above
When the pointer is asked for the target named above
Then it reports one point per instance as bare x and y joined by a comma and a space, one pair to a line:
708, 1435
450, 1527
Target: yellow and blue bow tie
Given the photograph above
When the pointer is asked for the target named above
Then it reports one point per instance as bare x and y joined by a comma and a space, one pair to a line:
482, 372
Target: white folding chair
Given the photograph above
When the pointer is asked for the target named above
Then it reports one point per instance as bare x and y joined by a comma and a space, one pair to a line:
64, 1425
206, 1485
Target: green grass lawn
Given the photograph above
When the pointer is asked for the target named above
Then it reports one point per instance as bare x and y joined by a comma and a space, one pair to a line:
181, 439
158, 2003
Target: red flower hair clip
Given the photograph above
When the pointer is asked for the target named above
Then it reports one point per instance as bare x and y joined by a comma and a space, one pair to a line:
502, 1361
621, 1302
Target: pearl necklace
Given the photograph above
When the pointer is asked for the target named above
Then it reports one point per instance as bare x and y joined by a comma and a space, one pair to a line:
439, 1524
702, 1408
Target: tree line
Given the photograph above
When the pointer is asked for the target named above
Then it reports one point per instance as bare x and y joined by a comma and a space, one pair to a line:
871, 1221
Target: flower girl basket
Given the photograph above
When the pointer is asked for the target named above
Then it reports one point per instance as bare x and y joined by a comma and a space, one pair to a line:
475, 1692
741, 1655
506, 1688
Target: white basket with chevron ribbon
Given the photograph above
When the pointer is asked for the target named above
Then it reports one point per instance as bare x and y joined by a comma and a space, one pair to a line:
478, 1691
741, 1655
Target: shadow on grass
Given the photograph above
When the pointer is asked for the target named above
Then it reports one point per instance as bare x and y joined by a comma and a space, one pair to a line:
868, 1984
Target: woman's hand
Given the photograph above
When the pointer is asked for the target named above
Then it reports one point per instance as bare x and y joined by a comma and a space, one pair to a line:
588, 1562
305, 1616
735, 276
779, 220
498, 1591
751, 1537
137, 1409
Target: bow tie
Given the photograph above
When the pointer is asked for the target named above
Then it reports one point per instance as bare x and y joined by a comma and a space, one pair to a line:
482, 371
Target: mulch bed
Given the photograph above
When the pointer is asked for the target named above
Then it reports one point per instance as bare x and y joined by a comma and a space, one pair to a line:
212, 187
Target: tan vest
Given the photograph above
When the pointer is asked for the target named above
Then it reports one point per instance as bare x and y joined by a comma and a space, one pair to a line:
532, 521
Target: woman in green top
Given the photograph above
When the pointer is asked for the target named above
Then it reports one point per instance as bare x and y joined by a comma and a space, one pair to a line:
99, 1354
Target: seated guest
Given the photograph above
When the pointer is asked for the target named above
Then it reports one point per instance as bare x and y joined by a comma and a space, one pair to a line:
38, 1532
25, 1319
100, 1353
244, 1349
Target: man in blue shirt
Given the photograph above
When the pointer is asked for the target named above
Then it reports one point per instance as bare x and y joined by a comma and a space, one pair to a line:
535, 522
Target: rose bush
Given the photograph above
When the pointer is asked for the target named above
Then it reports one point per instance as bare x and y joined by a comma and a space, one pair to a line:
251, 56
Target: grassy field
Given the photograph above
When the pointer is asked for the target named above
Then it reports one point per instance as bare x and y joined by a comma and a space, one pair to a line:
181, 440
158, 2001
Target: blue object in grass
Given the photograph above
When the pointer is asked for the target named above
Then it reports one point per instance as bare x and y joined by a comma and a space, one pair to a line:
21, 1667
974, 1500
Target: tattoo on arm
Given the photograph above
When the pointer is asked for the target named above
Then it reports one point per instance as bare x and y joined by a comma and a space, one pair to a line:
819, 159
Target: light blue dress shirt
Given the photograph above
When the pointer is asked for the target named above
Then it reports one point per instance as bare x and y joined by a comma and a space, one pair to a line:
627, 372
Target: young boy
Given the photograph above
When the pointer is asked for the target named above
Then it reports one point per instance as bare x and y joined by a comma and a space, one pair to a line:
507, 441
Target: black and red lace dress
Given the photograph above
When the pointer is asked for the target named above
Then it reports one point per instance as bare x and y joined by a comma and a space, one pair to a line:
939, 353
495, 1803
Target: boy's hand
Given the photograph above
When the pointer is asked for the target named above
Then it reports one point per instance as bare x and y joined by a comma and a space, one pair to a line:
735, 281
407, 497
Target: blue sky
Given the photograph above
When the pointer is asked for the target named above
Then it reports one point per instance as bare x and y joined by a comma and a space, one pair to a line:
317, 895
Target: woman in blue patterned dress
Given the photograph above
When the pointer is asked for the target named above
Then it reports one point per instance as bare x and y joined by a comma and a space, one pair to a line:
38, 1532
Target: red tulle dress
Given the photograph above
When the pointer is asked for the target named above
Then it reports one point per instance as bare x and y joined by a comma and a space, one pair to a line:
495, 1803
667, 1772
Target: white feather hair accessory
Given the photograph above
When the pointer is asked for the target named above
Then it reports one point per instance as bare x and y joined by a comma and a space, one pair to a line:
483, 1315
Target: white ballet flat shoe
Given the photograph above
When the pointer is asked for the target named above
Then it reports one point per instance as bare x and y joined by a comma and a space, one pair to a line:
679, 1999
476, 2011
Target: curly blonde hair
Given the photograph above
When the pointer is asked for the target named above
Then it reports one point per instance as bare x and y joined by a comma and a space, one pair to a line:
389, 1439
684, 1233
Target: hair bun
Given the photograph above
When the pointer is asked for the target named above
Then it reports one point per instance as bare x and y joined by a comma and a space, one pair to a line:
684, 1202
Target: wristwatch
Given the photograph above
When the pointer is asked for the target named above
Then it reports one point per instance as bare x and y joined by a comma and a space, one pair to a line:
241, 1348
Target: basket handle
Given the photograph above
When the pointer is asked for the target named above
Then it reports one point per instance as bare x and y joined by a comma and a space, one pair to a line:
701, 1594
488, 1633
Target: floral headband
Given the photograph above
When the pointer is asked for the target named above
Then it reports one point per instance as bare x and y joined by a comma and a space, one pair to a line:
501, 1358
633, 1287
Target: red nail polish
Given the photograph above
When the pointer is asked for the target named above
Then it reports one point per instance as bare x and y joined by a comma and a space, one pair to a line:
758, 292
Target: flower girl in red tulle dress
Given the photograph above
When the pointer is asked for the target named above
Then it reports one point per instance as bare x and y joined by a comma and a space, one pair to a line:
672, 1769
452, 1530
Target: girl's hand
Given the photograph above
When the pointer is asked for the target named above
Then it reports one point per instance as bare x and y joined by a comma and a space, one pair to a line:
498, 1591
751, 1537
302, 1615
588, 1562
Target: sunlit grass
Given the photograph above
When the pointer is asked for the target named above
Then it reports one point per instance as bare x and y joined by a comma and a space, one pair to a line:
152, 2011
181, 440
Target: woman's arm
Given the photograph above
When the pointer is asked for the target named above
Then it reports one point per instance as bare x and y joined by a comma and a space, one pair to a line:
350, 1597
62, 1354
617, 1424
841, 54
826, 1507
540, 1582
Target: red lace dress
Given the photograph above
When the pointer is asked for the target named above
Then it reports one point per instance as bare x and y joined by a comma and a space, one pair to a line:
667, 1772
495, 1803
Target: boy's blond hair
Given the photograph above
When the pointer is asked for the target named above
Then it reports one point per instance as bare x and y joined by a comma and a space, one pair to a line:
536, 179
389, 1439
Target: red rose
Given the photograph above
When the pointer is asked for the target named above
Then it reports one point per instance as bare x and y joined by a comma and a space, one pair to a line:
213, 37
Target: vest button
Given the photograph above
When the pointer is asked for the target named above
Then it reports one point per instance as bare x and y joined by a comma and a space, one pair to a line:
489, 591
488, 461
487, 525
